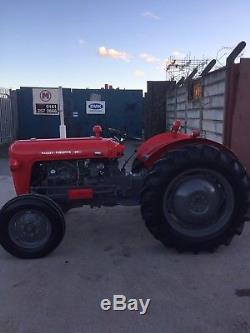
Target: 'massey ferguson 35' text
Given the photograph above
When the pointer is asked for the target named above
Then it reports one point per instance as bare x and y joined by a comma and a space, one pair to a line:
120, 303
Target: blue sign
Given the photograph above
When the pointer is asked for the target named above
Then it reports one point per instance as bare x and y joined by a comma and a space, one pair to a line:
95, 107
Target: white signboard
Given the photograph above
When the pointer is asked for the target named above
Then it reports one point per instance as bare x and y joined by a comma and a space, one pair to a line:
95, 107
45, 101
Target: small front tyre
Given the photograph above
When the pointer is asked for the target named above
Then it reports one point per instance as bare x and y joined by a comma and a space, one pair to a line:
31, 226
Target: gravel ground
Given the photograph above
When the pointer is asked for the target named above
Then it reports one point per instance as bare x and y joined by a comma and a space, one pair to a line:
108, 251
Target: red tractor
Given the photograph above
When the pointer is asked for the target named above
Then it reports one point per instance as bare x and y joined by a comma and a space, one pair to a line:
193, 192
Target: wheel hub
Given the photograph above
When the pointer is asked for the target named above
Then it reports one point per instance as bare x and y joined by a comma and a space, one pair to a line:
29, 229
198, 201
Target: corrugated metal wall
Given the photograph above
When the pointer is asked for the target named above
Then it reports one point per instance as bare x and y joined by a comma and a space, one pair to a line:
8, 116
205, 114
124, 111
33, 126
155, 107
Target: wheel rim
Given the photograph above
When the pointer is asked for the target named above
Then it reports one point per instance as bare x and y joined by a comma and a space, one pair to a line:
29, 229
198, 202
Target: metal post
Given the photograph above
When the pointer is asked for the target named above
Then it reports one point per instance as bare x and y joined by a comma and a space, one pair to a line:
63, 131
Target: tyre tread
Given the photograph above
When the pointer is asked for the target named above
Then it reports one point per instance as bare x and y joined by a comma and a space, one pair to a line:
161, 174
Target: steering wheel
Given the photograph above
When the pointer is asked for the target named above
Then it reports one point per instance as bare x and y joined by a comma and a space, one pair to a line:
120, 136
117, 134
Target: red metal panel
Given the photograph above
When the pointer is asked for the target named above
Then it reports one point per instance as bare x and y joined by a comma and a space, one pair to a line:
240, 123
84, 193
232, 75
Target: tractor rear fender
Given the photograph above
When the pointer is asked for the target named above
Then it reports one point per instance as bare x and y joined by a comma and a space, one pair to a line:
154, 148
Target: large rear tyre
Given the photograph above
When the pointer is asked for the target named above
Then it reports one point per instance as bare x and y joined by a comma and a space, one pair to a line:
195, 198
65, 208
31, 226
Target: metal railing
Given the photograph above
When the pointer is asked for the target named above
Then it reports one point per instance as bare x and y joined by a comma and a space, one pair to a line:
8, 116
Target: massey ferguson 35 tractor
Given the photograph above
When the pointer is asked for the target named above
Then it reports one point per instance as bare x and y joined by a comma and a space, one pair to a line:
193, 192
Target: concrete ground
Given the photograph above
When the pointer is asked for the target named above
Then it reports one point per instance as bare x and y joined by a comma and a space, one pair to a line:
108, 251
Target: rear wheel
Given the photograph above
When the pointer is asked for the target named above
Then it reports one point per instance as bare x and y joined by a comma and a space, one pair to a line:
31, 226
195, 198
65, 208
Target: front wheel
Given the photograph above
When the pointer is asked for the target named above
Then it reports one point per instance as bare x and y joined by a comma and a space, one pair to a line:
195, 198
31, 226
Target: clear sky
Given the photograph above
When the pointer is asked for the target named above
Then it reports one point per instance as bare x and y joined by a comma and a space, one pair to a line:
86, 43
